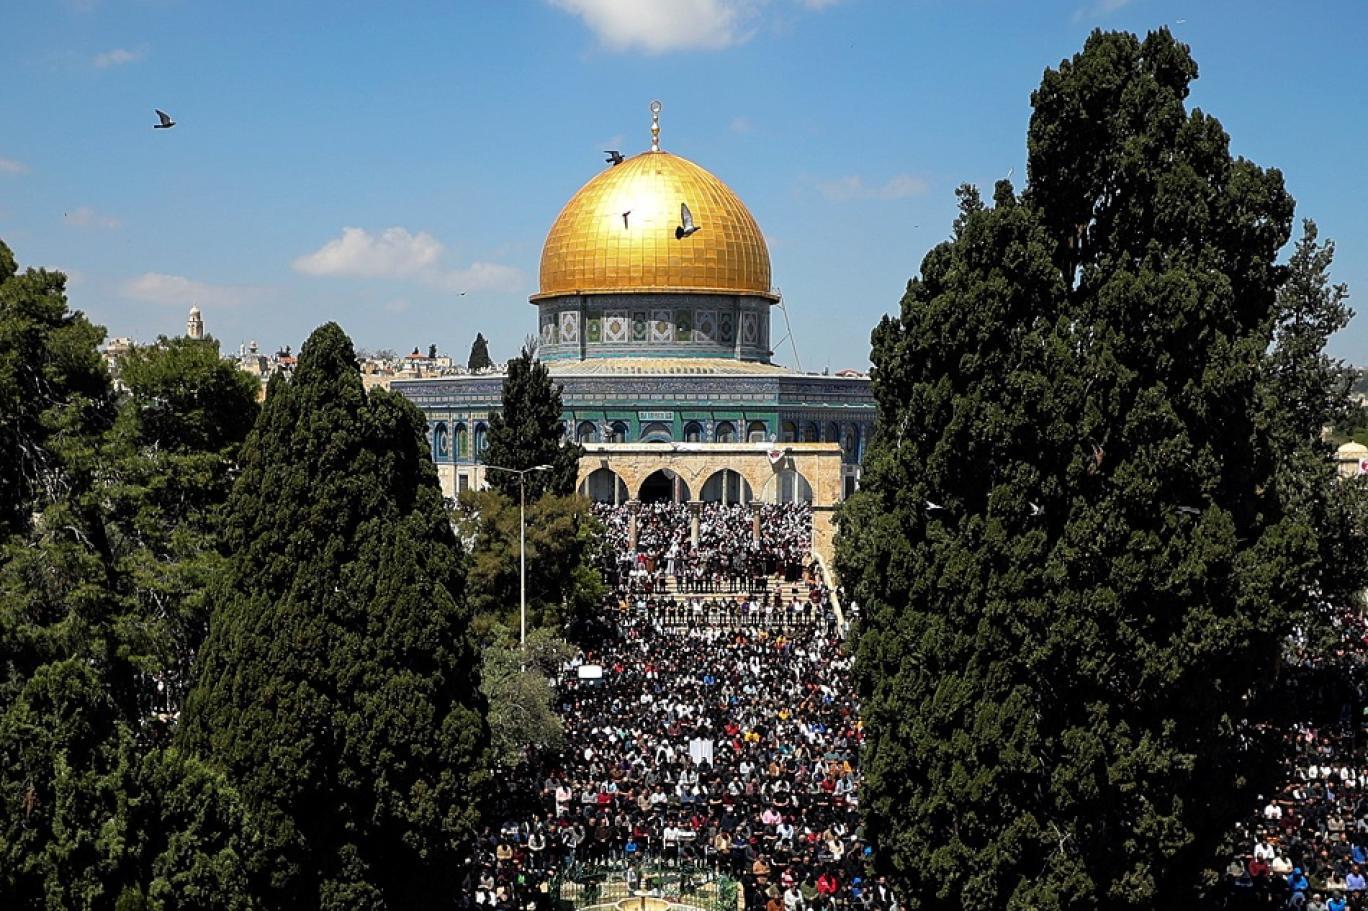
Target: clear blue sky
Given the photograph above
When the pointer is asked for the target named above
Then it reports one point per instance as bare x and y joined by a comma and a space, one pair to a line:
447, 135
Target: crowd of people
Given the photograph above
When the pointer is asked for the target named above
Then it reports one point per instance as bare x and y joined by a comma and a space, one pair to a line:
701, 738
728, 556
1306, 844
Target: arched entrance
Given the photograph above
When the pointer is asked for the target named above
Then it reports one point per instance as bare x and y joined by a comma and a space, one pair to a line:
604, 486
726, 486
663, 486
787, 486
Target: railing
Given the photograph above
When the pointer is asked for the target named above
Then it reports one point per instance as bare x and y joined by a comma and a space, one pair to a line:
585, 886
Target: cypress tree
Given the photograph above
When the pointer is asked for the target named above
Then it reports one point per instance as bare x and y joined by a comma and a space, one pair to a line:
479, 354
528, 431
1077, 538
338, 689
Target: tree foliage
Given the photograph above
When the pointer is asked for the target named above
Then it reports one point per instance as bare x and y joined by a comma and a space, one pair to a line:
338, 689
98, 812
527, 431
54, 389
1106, 389
564, 586
479, 354
517, 685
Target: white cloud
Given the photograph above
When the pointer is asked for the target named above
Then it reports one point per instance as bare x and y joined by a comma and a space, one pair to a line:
398, 305
86, 217
399, 254
820, 4
479, 277
179, 291
740, 124
657, 26
1100, 9
116, 57
10, 166
900, 186
394, 253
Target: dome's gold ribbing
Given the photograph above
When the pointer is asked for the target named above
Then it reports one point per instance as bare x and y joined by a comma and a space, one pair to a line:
590, 249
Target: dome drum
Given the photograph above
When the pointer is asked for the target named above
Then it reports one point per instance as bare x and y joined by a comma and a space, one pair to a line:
644, 324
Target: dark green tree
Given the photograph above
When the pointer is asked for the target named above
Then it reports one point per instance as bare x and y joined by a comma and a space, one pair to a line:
338, 688
479, 354
54, 389
527, 431
1074, 541
167, 467
85, 653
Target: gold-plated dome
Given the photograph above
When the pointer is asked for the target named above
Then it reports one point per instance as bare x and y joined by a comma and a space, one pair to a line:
591, 249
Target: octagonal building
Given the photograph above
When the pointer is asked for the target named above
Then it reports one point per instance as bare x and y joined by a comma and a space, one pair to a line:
660, 338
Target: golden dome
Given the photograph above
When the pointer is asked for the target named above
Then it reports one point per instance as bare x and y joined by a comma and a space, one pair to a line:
590, 250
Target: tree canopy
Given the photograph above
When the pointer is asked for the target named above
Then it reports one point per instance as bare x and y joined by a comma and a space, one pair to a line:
99, 570
527, 431
479, 354
564, 585
1081, 536
338, 688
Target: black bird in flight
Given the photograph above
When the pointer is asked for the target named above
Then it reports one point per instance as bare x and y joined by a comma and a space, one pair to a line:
614, 156
624, 217
166, 121
688, 227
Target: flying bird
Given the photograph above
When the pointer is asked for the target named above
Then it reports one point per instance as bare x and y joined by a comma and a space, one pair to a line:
932, 507
688, 227
624, 217
1037, 509
166, 121
1190, 510
614, 156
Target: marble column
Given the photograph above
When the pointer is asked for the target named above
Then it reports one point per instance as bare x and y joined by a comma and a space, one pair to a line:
633, 506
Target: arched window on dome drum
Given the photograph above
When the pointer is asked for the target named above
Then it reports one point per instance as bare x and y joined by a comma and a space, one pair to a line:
811, 433
617, 432
481, 440
757, 432
587, 432
725, 432
833, 433
726, 487
604, 486
693, 432
441, 442
656, 432
462, 442
788, 432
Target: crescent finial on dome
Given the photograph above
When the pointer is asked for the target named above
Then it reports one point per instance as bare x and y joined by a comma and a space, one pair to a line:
655, 125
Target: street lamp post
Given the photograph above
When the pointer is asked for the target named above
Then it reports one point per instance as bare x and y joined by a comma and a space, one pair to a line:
522, 545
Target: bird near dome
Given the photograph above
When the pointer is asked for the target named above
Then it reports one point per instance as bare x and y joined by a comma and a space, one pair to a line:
594, 247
